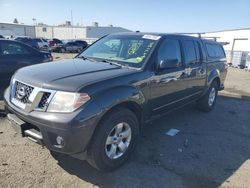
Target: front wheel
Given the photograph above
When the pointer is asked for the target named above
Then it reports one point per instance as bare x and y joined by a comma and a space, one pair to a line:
114, 140
207, 102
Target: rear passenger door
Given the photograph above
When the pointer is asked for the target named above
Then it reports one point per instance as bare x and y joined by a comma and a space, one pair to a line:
195, 67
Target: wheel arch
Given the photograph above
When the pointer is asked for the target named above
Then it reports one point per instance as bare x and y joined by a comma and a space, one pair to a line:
214, 76
130, 105
120, 97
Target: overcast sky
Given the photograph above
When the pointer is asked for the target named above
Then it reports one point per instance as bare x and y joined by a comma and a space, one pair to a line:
143, 15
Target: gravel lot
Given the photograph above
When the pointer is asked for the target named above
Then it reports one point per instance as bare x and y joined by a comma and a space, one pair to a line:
211, 150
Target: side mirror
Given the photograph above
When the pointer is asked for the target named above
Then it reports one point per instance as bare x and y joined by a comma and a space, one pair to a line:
170, 63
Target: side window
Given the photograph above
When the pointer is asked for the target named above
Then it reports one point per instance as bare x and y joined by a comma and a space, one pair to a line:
169, 50
215, 51
190, 52
13, 49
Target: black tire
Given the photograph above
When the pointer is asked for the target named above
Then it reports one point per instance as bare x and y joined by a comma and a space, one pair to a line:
203, 103
97, 156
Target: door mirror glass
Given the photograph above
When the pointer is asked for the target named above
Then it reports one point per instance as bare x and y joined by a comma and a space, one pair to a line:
170, 63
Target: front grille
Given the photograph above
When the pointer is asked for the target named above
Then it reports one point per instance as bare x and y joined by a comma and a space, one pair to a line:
26, 91
44, 100
30, 98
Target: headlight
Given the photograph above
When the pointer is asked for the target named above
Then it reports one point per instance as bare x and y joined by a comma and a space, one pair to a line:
67, 101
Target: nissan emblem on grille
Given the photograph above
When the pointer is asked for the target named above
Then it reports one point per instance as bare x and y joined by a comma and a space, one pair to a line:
21, 92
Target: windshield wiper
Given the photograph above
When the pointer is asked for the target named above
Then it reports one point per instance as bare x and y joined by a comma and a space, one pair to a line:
117, 64
86, 58
111, 62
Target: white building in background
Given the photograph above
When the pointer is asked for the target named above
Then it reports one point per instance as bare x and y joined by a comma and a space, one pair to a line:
64, 32
238, 39
8, 29
88, 33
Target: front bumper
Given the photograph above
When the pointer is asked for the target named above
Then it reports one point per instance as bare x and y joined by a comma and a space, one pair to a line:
76, 129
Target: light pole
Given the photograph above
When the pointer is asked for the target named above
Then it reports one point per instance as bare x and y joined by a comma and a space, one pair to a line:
232, 51
34, 20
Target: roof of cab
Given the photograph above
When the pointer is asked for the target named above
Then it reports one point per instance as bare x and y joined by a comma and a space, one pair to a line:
181, 36
153, 33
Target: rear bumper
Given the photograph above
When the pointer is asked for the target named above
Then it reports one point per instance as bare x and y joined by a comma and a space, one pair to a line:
74, 130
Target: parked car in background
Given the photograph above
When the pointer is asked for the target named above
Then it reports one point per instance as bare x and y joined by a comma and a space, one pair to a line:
42, 43
67, 47
1, 36
55, 42
15, 55
94, 106
82, 43
51, 43
38, 43
28, 41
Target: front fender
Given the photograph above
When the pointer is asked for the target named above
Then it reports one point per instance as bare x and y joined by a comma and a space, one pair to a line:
117, 95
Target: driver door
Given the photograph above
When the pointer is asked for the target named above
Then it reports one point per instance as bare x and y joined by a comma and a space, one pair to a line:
168, 86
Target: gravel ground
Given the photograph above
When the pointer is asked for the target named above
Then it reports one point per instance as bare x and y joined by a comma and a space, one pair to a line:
59, 56
211, 150
237, 83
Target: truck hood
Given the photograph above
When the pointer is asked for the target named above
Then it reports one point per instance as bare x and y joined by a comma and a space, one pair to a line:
68, 75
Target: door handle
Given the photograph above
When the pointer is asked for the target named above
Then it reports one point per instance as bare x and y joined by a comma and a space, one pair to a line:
166, 80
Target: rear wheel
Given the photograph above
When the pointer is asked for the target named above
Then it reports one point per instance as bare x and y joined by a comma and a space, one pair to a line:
114, 140
207, 102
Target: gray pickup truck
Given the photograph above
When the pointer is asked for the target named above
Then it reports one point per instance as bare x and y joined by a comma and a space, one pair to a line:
94, 106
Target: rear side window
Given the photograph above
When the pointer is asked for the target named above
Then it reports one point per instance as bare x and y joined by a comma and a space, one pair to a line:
13, 49
191, 50
169, 50
215, 51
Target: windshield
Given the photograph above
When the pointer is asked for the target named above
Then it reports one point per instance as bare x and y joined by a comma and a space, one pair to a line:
125, 50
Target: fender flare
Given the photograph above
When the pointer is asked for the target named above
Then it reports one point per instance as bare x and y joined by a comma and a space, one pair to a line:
214, 74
